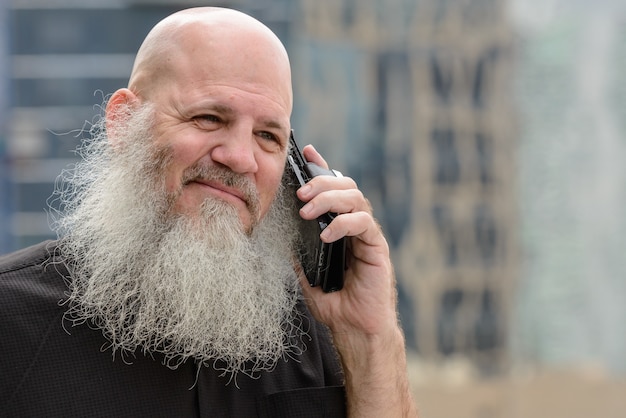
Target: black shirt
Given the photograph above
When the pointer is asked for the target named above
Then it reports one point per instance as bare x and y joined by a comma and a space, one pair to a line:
50, 368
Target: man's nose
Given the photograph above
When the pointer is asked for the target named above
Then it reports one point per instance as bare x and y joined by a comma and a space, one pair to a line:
236, 151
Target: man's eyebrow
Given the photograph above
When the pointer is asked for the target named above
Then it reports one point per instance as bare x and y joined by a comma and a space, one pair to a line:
271, 123
221, 108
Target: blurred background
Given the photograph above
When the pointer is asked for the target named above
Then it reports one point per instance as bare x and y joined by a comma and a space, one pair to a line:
490, 136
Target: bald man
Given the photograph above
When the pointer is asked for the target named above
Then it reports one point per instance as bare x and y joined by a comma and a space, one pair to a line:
172, 289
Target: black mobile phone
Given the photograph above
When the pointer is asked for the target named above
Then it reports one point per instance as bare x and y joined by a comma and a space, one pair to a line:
323, 263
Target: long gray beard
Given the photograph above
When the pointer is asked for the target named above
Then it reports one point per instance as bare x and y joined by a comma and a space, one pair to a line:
188, 288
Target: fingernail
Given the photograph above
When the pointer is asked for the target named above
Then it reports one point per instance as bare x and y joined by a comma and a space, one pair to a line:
326, 233
305, 190
306, 209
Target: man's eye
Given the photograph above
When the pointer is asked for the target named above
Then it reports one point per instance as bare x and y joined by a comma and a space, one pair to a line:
268, 136
207, 118
207, 122
270, 141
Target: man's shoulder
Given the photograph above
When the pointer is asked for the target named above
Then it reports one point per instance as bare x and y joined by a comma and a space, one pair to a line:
30, 276
32, 256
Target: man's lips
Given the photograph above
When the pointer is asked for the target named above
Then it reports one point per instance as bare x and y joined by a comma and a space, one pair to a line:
209, 181
221, 190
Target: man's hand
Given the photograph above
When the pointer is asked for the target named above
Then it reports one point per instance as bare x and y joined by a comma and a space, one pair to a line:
363, 315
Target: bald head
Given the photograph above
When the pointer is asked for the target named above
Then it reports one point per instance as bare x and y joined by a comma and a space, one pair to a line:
213, 45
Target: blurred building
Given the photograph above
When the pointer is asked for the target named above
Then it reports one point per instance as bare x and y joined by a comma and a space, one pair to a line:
411, 98
5, 185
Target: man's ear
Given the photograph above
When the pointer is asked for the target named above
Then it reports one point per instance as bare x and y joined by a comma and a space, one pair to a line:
118, 109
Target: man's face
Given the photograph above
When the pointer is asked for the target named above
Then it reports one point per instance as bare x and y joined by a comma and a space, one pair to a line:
226, 110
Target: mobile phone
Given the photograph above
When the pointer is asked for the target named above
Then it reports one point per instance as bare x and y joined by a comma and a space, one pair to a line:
323, 263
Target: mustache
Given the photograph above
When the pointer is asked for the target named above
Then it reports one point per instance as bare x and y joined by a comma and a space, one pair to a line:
241, 183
